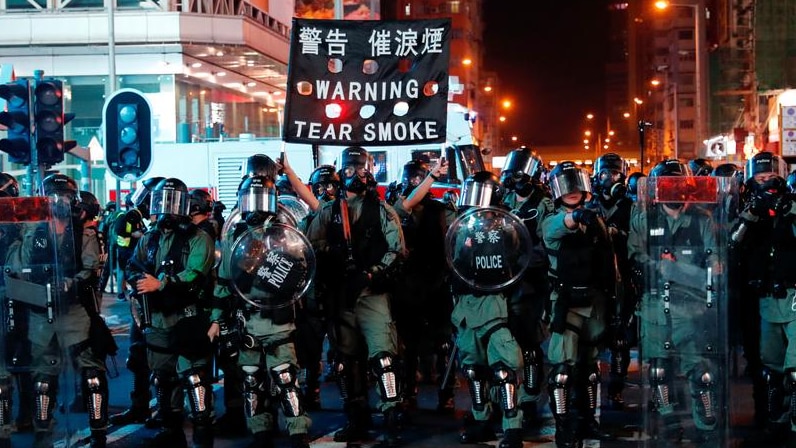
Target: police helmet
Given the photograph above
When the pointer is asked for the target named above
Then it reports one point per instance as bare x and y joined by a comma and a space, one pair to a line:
201, 203
765, 162
791, 181
170, 197
325, 182
261, 165
566, 178
257, 199
9, 187
632, 184
700, 167
140, 197
63, 191
89, 204
110, 206
610, 173
522, 168
481, 189
670, 167
726, 170
355, 170
414, 173
284, 187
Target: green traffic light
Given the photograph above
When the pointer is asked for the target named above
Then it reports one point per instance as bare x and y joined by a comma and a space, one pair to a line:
128, 113
128, 135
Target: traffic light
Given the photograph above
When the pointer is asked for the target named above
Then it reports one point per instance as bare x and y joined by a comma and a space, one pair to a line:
127, 118
16, 118
50, 119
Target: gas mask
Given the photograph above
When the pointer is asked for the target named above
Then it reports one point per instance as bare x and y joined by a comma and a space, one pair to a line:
612, 185
357, 179
65, 206
411, 184
325, 191
170, 222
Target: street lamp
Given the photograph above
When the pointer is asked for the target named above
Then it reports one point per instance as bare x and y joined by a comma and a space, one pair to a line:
699, 61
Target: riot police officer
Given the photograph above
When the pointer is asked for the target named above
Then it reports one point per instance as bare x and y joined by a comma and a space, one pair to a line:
583, 275
700, 167
169, 268
136, 362
766, 238
268, 349
673, 244
359, 239
485, 262
14, 337
422, 306
78, 258
530, 201
632, 184
610, 200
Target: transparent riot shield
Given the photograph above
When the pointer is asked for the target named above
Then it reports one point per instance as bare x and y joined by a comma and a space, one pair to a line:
44, 323
678, 243
295, 209
290, 212
271, 266
488, 248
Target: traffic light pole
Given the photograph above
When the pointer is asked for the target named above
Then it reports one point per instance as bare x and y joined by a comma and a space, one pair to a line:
113, 87
35, 171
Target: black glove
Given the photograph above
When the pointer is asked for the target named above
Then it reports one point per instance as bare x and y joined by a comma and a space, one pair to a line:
757, 206
584, 216
784, 206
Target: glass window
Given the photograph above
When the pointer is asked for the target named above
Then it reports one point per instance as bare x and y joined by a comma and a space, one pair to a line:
379, 165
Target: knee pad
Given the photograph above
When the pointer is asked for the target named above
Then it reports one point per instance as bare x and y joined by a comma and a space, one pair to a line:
200, 395
254, 391
385, 368
96, 384
703, 392
559, 386
6, 392
284, 376
506, 380
790, 384
44, 391
533, 370
477, 384
590, 385
659, 381
164, 383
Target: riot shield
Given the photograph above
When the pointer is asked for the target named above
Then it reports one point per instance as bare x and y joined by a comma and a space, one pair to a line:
294, 209
290, 212
684, 347
43, 319
271, 266
488, 248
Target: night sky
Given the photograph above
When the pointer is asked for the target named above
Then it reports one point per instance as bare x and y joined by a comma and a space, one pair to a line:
549, 56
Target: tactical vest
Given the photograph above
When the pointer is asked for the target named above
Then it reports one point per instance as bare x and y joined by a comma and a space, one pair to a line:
771, 253
172, 264
528, 213
368, 244
690, 237
425, 238
585, 259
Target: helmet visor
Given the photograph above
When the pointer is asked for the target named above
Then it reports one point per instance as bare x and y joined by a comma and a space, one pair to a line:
258, 199
569, 181
170, 202
476, 194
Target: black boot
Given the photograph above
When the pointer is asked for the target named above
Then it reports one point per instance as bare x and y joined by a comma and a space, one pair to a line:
98, 438
530, 415
616, 385
356, 427
391, 428
232, 423
476, 431
299, 441
262, 439
512, 438
130, 416
203, 436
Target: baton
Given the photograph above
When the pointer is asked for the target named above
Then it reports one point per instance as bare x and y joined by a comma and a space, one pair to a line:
449, 367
